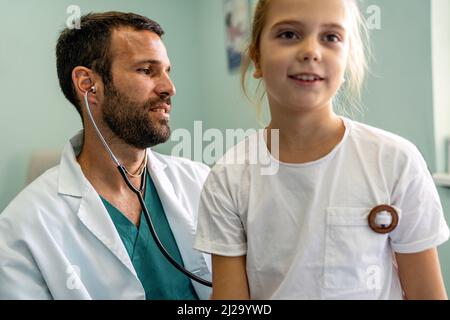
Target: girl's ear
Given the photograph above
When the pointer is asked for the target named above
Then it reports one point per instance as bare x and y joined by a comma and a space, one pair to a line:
257, 74
254, 55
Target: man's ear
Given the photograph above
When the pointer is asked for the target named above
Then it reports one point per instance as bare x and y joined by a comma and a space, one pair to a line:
83, 79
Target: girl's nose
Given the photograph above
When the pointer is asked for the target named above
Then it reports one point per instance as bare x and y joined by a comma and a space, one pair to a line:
309, 50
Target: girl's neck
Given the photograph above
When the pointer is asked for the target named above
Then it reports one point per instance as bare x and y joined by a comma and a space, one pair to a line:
308, 136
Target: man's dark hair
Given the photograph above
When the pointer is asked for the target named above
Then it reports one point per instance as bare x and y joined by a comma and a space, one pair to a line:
89, 46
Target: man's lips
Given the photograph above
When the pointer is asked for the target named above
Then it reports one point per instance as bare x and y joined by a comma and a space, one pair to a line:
163, 107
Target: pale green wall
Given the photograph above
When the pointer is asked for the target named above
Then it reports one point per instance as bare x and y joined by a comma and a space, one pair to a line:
441, 78
223, 100
444, 250
34, 113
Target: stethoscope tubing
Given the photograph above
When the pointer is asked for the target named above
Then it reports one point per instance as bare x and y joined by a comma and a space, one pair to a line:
137, 192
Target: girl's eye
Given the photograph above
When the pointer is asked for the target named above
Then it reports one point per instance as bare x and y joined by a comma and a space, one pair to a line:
288, 35
332, 38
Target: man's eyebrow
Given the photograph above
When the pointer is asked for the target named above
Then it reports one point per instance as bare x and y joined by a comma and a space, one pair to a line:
149, 61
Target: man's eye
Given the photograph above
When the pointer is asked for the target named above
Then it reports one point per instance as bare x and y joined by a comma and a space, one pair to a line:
288, 35
145, 71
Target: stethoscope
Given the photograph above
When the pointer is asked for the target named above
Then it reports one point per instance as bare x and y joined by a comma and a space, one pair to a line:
136, 191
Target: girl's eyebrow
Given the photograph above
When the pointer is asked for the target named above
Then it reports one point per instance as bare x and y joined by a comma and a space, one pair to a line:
291, 22
301, 24
334, 26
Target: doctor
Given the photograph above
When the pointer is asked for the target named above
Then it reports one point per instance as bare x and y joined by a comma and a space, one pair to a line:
77, 232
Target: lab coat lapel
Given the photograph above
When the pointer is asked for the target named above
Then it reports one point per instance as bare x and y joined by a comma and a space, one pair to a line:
91, 211
95, 217
180, 222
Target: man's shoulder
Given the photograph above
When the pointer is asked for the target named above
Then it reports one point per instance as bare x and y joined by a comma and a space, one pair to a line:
182, 165
38, 194
170, 159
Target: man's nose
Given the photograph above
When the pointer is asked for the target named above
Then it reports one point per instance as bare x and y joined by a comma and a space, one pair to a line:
165, 87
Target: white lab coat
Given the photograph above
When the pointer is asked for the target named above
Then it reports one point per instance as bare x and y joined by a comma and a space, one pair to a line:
57, 240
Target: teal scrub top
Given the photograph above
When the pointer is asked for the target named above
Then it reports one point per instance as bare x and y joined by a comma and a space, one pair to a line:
161, 280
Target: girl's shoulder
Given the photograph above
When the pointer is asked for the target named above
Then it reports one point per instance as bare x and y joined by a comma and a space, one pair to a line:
368, 136
390, 151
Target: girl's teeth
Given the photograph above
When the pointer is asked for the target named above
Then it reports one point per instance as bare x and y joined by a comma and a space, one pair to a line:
307, 78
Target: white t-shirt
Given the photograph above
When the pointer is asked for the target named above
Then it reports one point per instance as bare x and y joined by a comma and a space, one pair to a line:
305, 228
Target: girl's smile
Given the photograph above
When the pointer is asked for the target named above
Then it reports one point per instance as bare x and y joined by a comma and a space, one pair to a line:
307, 79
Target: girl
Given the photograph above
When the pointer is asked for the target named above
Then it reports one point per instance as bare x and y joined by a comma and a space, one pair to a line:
352, 212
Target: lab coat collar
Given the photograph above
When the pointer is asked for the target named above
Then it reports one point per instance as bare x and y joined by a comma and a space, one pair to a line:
153, 163
70, 173
69, 182
91, 211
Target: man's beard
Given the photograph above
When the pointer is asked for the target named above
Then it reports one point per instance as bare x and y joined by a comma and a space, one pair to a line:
132, 121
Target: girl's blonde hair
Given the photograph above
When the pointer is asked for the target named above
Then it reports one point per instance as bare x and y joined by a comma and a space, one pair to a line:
357, 66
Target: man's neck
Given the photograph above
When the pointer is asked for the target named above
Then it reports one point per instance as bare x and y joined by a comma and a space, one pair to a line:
100, 169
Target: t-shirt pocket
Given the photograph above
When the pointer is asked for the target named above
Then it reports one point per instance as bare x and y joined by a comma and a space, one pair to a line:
353, 251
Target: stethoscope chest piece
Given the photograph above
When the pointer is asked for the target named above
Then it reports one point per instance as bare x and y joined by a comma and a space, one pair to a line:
383, 219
